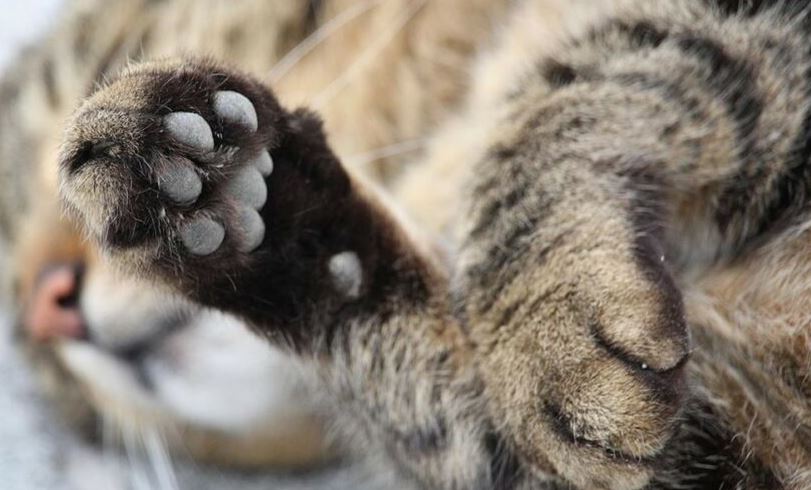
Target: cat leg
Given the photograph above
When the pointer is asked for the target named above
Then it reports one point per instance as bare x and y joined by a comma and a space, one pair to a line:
192, 173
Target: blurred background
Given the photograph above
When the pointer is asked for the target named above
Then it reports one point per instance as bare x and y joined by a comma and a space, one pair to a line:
22, 22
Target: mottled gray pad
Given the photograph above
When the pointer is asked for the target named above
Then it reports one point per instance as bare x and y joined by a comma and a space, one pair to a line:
190, 129
202, 236
264, 163
347, 273
236, 108
248, 187
181, 184
253, 229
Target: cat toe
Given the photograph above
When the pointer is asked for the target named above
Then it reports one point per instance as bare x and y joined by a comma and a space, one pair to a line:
202, 236
235, 108
248, 187
189, 129
180, 184
264, 163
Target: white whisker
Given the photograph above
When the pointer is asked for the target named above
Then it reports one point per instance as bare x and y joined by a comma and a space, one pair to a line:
388, 151
159, 459
367, 56
305, 47
139, 478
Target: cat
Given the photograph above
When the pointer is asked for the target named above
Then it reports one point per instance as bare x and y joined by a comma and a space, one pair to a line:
601, 281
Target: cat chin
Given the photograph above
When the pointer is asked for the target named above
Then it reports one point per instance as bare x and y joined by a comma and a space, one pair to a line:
210, 384
199, 377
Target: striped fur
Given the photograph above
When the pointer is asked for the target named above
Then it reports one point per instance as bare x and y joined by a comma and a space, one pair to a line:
624, 200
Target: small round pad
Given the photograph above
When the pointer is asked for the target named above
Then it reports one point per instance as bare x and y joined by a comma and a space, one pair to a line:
264, 163
248, 187
190, 129
347, 273
236, 108
253, 229
181, 184
202, 236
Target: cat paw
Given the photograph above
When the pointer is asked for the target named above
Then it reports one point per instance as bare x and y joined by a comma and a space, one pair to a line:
174, 168
585, 364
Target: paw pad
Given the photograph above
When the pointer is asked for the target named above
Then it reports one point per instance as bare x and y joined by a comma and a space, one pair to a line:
180, 184
264, 163
246, 186
202, 236
236, 109
190, 129
347, 273
253, 230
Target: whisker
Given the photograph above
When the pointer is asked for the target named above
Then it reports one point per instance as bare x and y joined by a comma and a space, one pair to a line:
139, 478
367, 56
305, 47
159, 459
388, 151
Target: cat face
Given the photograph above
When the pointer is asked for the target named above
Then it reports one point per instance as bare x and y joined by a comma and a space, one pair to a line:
121, 354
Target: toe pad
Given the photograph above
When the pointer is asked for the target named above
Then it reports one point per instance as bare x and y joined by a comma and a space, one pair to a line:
181, 184
253, 229
248, 187
236, 108
190, 129
202, 236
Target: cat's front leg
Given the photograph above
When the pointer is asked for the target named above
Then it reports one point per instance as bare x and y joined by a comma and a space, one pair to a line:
193, 174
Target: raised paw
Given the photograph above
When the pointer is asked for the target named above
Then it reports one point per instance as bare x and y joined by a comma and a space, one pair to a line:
175, 168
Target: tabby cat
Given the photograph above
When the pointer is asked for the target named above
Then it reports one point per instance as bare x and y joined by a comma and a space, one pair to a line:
603, 282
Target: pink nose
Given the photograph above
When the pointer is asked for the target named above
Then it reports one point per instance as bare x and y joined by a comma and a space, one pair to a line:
52, 313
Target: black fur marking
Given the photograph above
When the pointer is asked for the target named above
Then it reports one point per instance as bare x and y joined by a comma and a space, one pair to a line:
746, 8
507, 258
670, 90
496, 209
640, 35
428, 439
505, 467
791, 188
558, 74
733, 80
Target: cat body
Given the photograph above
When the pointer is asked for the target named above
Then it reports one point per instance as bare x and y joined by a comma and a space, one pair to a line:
601, 283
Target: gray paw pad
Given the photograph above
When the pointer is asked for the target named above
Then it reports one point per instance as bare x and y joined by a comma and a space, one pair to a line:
264, 163
190, 129
347, 273
181, 184
248, 187
202, 236
253, 229
236, 108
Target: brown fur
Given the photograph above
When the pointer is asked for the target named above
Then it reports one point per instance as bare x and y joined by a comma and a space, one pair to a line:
605, 217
